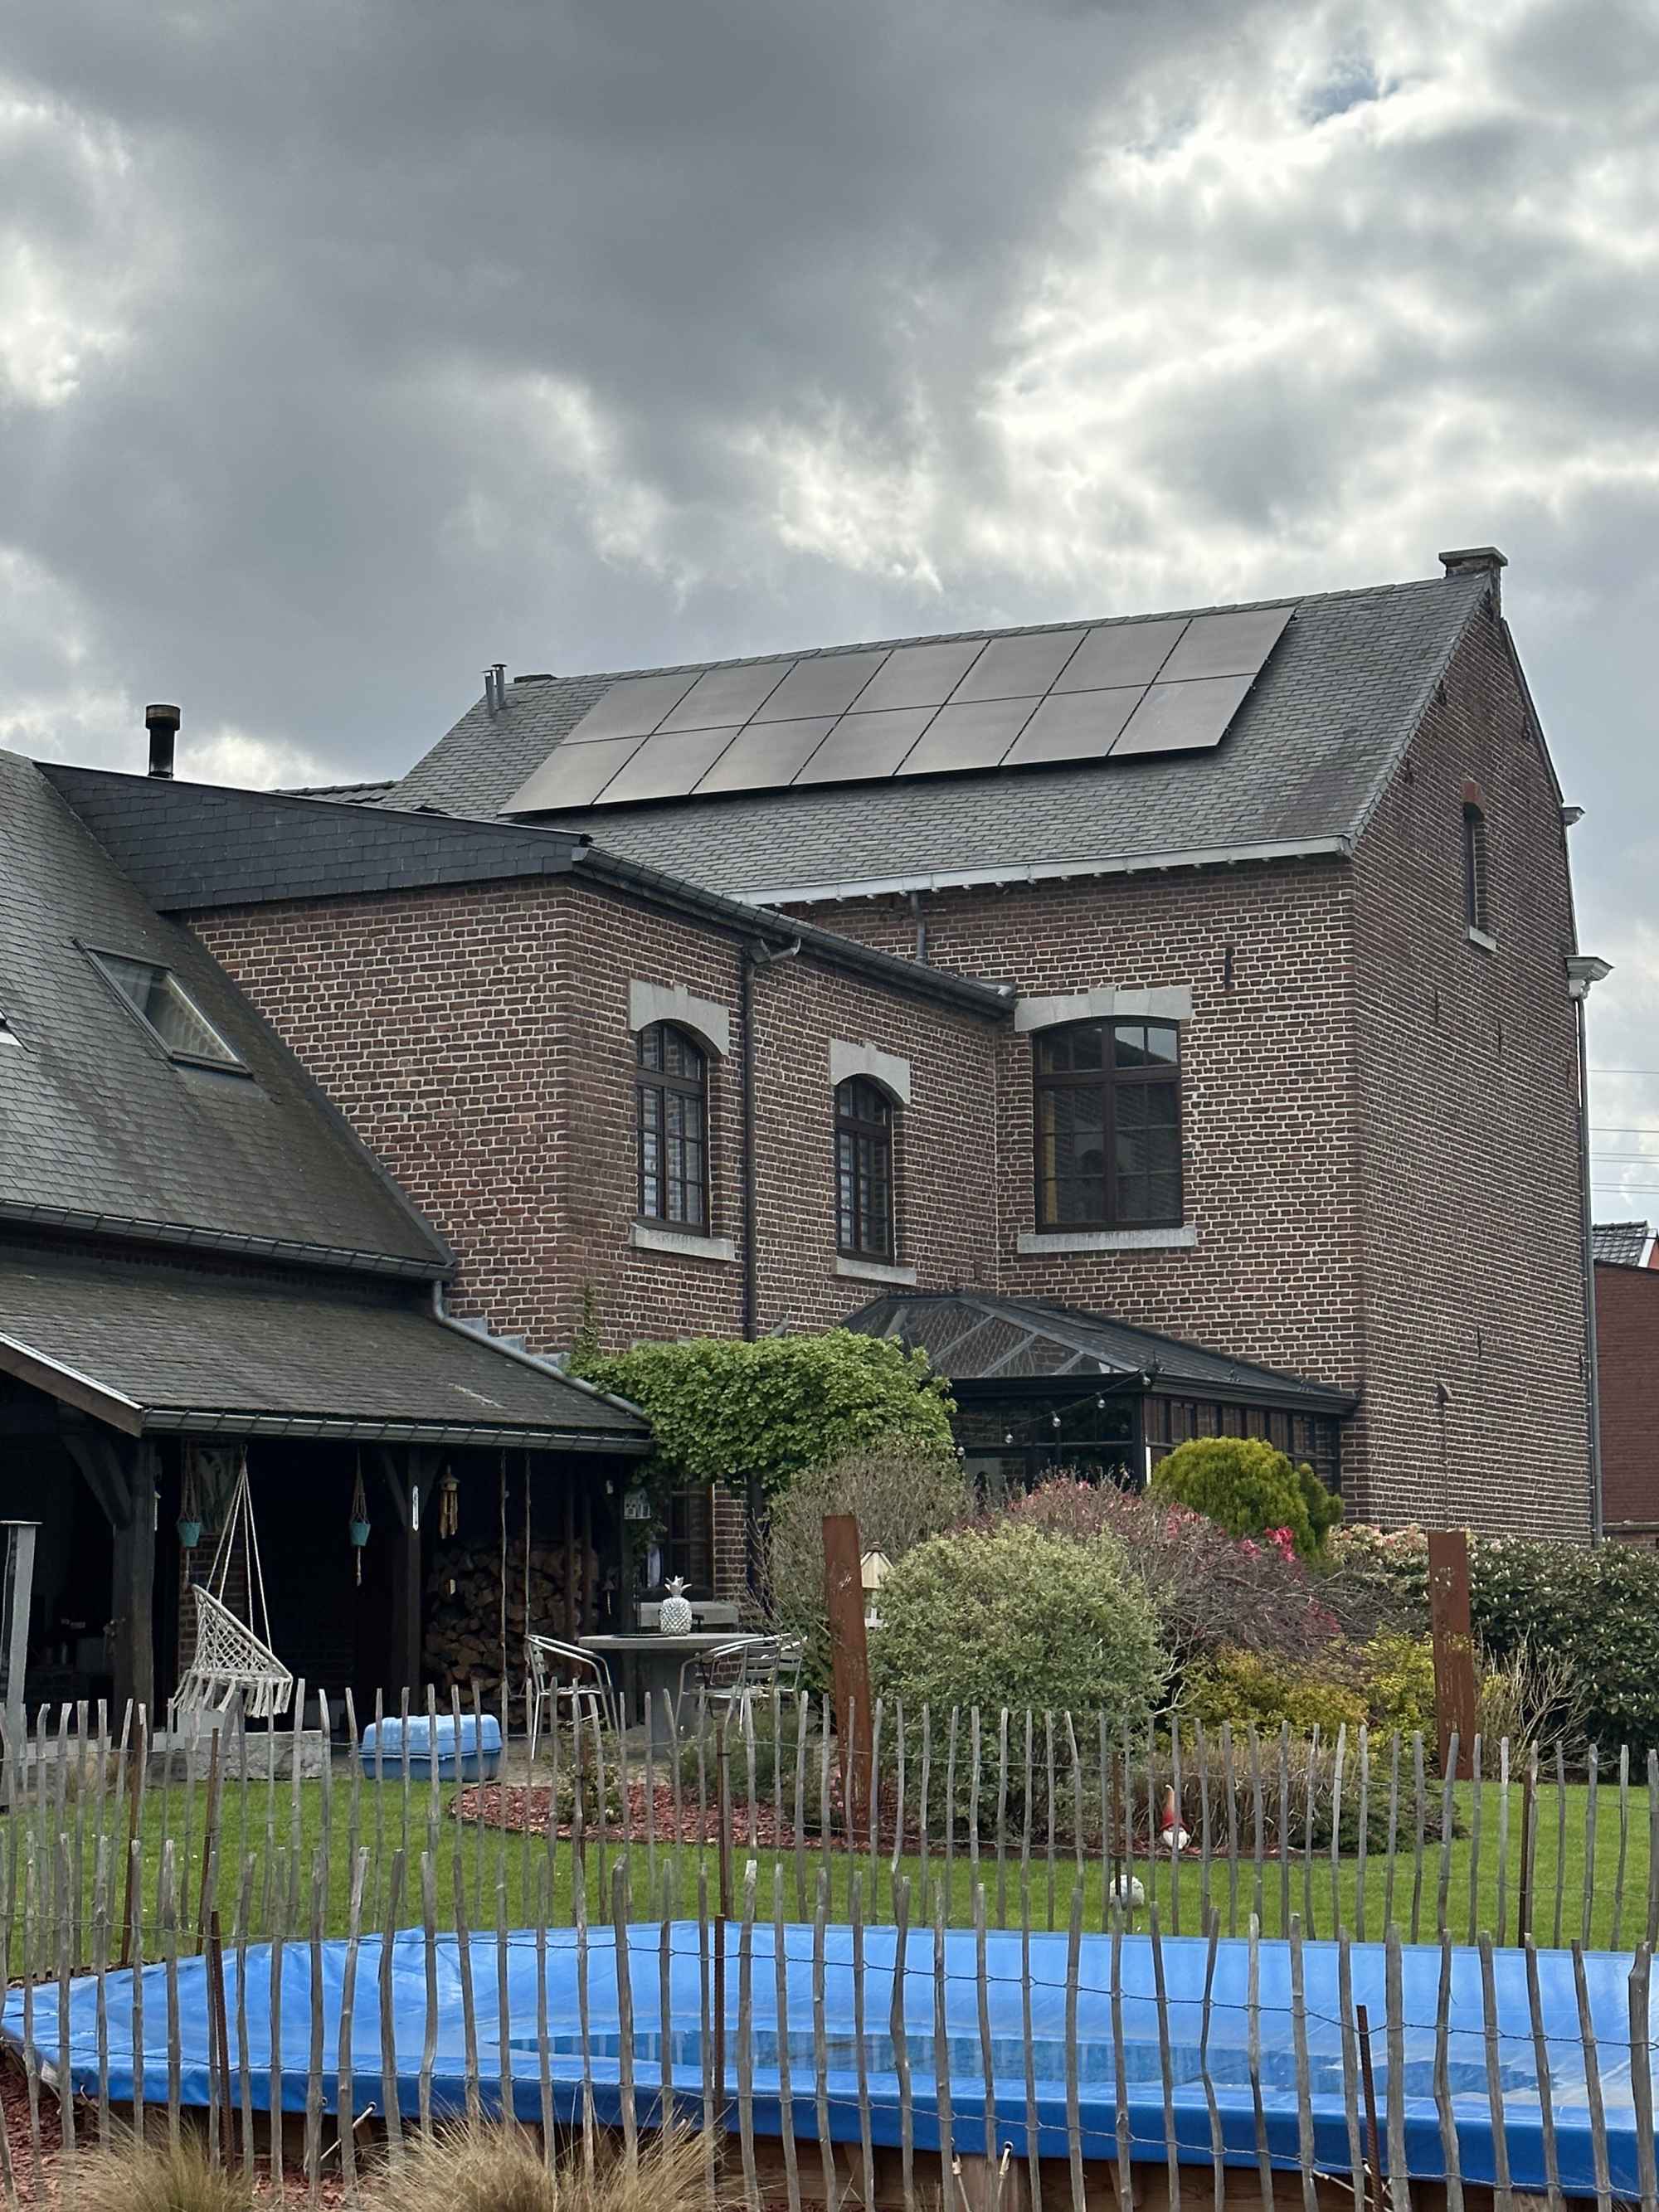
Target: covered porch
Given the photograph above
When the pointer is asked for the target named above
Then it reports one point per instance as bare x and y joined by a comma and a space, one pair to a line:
133, 1395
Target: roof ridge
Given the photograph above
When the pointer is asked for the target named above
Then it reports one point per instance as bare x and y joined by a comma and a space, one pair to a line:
987, 630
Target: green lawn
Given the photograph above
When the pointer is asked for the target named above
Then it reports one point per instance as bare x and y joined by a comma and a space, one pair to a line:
272, 1843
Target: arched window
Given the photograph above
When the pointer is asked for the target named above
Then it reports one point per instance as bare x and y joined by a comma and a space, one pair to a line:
1109, 1125
1476, 912
864, 1170
671, 1088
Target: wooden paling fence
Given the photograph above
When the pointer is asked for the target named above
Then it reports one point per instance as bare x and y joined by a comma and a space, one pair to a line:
1007, 1861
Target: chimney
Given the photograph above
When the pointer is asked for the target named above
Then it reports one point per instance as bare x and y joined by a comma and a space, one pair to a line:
1478, 561
162, 723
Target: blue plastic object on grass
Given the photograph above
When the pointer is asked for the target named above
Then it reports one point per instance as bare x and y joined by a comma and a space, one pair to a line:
473, 1756
510, 2059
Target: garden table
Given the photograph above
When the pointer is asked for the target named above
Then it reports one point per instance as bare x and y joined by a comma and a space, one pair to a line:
644, 1663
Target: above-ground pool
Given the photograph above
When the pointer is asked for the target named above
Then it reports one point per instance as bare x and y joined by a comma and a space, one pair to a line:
510, 2050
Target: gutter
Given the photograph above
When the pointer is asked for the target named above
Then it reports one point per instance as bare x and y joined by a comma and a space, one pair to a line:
195, 1421
1047, 872
132, 1228
990, 1001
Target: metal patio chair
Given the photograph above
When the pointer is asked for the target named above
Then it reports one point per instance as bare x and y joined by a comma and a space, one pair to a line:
728, 1677
589, 1693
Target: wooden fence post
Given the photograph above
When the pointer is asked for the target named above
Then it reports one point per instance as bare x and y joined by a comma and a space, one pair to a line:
1454, 1708
843, 1586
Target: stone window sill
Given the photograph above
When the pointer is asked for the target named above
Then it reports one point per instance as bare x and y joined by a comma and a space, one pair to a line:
1483, 937
646, 1237
873, 1271
1171, 1239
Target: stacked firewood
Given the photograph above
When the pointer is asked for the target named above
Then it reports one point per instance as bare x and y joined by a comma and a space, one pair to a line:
463, 1642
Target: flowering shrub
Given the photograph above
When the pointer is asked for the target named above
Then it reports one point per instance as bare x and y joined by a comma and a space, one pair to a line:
1208, 1589
1248, 1487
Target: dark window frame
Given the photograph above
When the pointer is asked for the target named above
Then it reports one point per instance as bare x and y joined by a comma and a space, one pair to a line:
1108, 1079
854, 1131
227, 1061
1477, 869
661, 1085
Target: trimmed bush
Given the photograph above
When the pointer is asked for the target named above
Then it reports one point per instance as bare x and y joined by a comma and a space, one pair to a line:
1011, 1616
1595, 1610
1250, 1691
1250, 1489
721, 1410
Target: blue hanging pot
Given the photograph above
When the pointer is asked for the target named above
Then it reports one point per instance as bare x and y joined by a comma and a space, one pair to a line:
359, 1533
189, 1532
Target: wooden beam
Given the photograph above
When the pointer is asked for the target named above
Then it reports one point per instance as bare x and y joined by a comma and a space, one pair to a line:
120, 1471
70, 1387
409, 1472
1455, 1709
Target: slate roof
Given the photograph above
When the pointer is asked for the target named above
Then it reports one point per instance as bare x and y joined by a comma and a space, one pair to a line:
190, 847
1302, 767
1621, 1243
973, 1337
265, 1353
349, 794
99, 1126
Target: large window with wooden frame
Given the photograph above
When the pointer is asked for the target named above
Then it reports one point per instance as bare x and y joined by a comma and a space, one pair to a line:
864, 1170
671, 1092
1109, 1125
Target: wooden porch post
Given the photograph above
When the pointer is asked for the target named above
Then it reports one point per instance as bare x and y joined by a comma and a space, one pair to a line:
411, 1486
120, 1471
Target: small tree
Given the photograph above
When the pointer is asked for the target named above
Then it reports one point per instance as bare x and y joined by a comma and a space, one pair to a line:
721, 1410
1250, 1489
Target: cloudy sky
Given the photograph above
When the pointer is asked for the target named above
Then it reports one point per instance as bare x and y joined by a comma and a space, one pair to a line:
346, 345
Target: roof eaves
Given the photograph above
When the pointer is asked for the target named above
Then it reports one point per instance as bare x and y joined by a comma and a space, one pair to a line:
990, 1001
235, 1420
71, 1385
178, 1235
1039, 871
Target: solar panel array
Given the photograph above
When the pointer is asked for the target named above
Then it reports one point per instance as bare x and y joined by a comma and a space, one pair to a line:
1171, 684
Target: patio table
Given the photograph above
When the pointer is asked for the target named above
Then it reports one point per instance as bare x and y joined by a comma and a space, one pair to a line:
643, 1662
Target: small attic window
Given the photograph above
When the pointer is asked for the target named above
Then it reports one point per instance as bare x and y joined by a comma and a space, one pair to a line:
167, 1010
8, 1034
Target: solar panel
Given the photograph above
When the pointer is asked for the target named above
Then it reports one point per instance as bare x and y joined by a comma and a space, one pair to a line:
864, 745
1075, 726
767, 754
632, 708
826, 685
572, 775
1019, 667
668, 766
727, 696
1226, 645
919, 675
974, 734
1183, 718
1166, 684
1120, 653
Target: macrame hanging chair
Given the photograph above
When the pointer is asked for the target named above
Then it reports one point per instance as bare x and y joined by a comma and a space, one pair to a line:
233, 1659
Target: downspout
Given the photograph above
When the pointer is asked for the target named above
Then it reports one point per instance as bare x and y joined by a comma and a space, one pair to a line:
1583, 969
754, 955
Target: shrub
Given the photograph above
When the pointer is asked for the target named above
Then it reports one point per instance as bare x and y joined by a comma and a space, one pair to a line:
1596, 1610
1399, 1674
721, 1410
1017, 1617
1250, 1691
1208, 1588
1251, 1489
1374, 1580
496, 2167
901, 1495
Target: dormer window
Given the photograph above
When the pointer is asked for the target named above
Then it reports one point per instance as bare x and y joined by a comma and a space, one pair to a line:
167, 1010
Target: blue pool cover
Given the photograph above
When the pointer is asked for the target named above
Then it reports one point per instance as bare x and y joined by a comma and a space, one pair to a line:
512, 2062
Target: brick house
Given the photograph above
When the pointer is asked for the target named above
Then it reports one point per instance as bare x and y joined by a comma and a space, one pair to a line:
1628, 1345
1173, 1022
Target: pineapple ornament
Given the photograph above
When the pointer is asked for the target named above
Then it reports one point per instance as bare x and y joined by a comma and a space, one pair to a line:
674, 1614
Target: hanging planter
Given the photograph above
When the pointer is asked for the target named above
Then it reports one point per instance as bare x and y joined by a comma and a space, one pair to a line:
190, 1532
189, 1506
357, 1527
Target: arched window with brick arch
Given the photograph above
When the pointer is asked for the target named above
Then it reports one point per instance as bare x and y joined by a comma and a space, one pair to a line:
864, 1170
670, 1092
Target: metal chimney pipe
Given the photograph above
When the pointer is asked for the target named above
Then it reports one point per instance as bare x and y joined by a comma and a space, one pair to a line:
162, 723
499, 670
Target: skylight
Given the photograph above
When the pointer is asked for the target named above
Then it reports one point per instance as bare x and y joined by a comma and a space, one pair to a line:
167, 1010
8, 1034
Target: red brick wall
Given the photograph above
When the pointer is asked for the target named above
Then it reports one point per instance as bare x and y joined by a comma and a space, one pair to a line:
1475, 1354
1627, 1342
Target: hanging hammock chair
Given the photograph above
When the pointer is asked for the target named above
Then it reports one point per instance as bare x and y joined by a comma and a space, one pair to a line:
233, 1658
